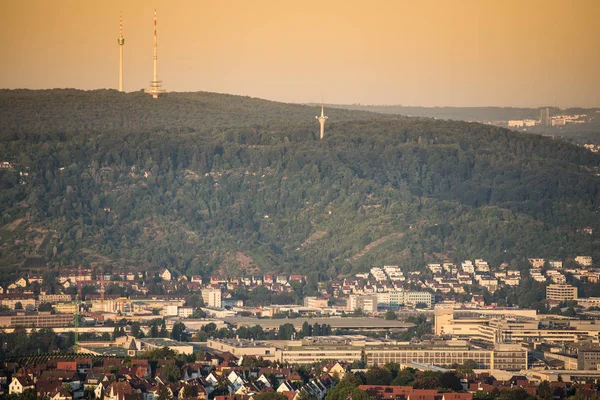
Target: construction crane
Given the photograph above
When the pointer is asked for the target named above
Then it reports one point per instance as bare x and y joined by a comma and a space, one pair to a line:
76, 323
78, 298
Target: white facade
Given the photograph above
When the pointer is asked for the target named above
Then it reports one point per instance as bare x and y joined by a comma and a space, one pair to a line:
212, 297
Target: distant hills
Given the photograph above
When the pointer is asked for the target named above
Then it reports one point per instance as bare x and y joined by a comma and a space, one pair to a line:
472, 114
204, 183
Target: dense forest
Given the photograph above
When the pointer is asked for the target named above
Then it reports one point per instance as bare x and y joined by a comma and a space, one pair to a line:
203, 182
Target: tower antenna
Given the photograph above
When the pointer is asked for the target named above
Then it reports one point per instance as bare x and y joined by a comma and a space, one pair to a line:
322, 120
155, 85
121, 42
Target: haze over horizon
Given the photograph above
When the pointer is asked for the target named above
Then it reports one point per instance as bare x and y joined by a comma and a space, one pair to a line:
415, 53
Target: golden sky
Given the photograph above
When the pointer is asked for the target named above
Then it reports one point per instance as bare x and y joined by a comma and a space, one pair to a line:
411, 52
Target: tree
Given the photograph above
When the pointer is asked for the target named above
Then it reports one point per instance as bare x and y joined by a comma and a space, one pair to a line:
449, 380
163, 330
154, 330
136, 330
427, 380
347, 388
45, 307
179, 333
390, 315
188, 392
172, 372
467, 367
404, 377
210, 327
18, 305
285, 332
306, 329
163, 393
514, 394
28, 394
545, 392
270, 396
378, 376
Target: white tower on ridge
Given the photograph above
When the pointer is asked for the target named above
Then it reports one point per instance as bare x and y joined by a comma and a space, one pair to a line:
322, 120
121, 42
155, 85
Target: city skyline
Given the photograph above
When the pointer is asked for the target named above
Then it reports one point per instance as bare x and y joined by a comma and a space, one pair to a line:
461, 53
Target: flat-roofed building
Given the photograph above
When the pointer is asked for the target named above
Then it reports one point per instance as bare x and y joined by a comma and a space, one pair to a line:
351, 348
447, 318
367, 303
307, 354
36, 320
434, 355
561, 292
244, 347
588, 359
507, 357
54, 298
159, 343
212, 297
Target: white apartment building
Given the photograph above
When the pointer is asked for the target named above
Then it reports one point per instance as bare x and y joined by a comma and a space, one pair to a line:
467, 266
212, 297
367, 303
378, 274
555, 264
435, 268
584, 261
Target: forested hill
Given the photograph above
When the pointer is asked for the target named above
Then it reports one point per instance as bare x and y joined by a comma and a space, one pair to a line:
65, 111
201, 182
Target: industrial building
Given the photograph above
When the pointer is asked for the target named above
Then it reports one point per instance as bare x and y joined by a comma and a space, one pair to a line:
350, 348
36, 320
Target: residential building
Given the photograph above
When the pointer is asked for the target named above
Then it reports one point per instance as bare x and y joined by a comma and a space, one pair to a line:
212, 297
165, 274
367, 303
584, 261
561, 292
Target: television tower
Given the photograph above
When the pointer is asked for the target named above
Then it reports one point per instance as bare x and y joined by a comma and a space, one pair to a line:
155, 85
322, 120
121, 42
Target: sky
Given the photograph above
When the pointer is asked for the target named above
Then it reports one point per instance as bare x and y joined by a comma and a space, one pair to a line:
520, 53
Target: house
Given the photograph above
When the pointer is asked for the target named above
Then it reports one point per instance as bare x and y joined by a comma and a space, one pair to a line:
19, 384
21, 282
117, 391
335, 369
192, 390
457, 396
165, 274
53, 390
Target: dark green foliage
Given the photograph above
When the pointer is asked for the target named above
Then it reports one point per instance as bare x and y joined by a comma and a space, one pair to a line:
270, 396
378, 376
179, 333
428, 380
189, 181
390, 315
348, 388
45, 307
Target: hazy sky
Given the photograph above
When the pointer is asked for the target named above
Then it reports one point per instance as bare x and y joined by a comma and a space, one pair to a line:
411, 52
